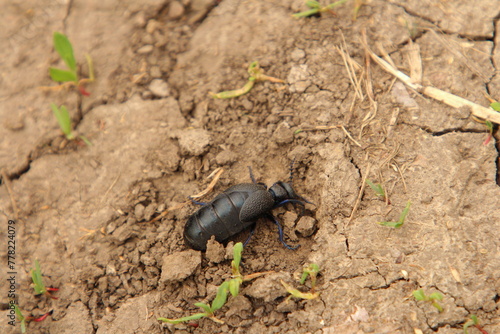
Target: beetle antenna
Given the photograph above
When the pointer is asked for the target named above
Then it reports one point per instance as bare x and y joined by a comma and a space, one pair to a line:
251, 174
291, 172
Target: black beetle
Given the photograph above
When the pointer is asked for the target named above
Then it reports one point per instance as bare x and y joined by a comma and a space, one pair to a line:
237, 208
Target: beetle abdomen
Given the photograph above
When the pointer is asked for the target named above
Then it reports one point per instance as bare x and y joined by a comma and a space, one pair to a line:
219, 218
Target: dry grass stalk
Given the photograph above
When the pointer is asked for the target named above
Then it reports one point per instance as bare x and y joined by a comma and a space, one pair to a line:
437, 94
360, 194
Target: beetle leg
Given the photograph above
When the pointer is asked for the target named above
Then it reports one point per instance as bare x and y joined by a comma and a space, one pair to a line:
295, 201
252, 229
291, 172
251, 174
280, 232
196, 202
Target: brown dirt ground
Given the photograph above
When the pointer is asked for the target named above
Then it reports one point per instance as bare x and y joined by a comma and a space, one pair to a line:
83, 211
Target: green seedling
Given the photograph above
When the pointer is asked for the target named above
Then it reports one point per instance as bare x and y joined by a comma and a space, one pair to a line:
473, 321
20, 318
64, 120
317, 8
23, 320
70, 77
232, 286
309, 271
357, 7
217, 303
377, 188
432, 298
401, 220
312, 271
495, 106
238, 279
256, 74
489, 126
39, 286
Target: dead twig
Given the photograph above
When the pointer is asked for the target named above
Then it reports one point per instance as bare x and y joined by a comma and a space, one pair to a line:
322, 127
349, 136
216, 175
360, 194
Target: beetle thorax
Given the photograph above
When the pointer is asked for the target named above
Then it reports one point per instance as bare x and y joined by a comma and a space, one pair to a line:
282, 191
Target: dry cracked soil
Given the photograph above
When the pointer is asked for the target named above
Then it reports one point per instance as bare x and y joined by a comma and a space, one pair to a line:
106, 221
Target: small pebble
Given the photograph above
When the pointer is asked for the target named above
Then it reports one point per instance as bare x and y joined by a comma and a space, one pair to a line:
159, 88
175, 10
306, 226
152, 26
148, 48
298, 54
139, 212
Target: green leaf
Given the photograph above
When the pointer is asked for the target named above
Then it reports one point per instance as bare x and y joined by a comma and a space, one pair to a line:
489, 125
298, 294
62, 75
205, 307
438, 307
377, 188
335, 4
401, 218
304, 277
229, 94
313, 4
85, 140
391, 224
471, 322
184, 319
36, 276
237, 250
234, 286
62, 116
307, 13
254, 68
436, 296
405, 212
495, 106
221, 297
65, 50
419, 294
18, 312
312, 270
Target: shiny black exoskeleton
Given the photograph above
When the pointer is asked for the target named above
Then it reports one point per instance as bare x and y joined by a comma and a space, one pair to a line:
236, 209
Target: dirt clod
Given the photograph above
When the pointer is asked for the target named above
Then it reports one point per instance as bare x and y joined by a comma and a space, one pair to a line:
226, 158
269, 287
215, 251
194, 141
180, 265
306, 226
283, 133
